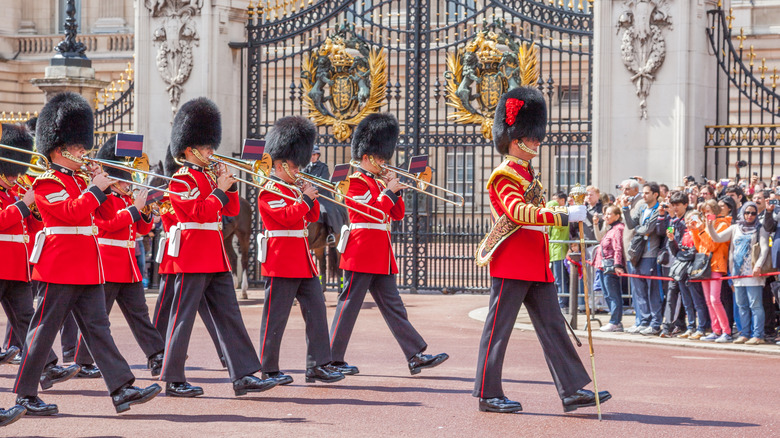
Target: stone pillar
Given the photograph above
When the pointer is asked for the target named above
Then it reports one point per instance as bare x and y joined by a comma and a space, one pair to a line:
11, 17
203, 66
661, 139
110, 17
27, 24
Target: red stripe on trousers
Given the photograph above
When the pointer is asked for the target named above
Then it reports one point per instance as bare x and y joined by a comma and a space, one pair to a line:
342, 308
490, 341
267, 318
172, 327
43, 303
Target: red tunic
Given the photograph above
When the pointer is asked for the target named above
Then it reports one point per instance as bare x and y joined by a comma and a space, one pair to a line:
515, 192
201, 251
287, 257
65, 199
120, 262
15, 220
168, 218
370, 250
33, 222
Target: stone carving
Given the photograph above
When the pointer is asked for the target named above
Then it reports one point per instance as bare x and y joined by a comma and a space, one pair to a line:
643, 47
69, 47
175, 37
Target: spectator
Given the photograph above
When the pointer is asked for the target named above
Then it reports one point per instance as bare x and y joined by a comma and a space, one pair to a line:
718, 267
558, 254
728, 208
770, 225
664, 192
647, 297
609, 260
759, 197
743, 235
707, 192
631, 199
737, 194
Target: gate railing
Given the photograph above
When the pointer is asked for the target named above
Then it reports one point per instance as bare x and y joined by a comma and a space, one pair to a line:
748, 116
114, 107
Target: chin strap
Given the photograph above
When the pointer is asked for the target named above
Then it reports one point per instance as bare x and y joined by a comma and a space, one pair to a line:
373, 163
71, 157
204, 161
5, 181
286, 169
526, 149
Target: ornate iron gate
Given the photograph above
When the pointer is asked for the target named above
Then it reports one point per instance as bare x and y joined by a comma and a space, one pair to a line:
435, 243
114, 107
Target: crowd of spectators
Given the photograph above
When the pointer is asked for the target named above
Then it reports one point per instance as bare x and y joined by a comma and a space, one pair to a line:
689, 261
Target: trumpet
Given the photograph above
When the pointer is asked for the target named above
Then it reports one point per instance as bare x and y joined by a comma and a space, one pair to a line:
137, 180
259, 169
339, 192
421, 182
36, 166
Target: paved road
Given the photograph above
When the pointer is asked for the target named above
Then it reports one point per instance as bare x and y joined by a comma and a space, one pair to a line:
659, 391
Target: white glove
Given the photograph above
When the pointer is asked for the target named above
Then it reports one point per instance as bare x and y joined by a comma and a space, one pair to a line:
577, 213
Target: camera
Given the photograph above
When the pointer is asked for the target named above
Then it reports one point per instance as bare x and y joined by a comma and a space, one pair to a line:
742, 163
619, 187
664, 205
772, 201
690, 179
755, 173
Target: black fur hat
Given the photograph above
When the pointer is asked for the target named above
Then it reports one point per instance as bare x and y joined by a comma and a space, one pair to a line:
108, 152
527, 113
65, 119
19, 137
197, 123
376, 135
171, 166
291, 138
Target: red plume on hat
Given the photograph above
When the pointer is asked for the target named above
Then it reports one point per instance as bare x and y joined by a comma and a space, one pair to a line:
520, 113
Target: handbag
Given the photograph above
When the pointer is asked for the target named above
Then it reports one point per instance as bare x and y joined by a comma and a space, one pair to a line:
607, 265
636, 249
700, 267
755, 253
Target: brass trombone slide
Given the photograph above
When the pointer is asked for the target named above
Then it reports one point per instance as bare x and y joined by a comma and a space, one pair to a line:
334, 188
420, 183
119, 166
33, 166
259, 169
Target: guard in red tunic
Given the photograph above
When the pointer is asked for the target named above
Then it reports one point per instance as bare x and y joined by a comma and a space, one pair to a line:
162, 309
517, 250
68, 269
289, 268
19, 221
367, 259
200, 261
116, 238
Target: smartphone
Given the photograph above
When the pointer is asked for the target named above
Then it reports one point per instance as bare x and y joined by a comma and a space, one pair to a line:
670, 229
724, 182
755, 173
710, 217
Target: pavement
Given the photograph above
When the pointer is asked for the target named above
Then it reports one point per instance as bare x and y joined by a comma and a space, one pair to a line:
659, 389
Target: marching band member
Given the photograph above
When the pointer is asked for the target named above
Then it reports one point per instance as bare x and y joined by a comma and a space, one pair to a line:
68, 269
517, 251
116, 237
201, 263
289, 268
162, 309
368, 260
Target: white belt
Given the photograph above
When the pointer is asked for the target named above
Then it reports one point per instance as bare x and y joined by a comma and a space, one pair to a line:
287, 233
209, 226
83, 231
17, 238
539, 228
370, 226
163, 235
119, 243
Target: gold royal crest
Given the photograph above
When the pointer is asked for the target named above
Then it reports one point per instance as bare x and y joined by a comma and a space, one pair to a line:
342, 88
493, 63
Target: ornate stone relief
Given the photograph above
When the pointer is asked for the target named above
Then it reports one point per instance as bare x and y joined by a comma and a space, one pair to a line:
175, 37
643, 47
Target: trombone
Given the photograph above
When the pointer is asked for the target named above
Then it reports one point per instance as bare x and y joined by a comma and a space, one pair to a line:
339, 192
259, 169
34, 166
135, 181
421, 182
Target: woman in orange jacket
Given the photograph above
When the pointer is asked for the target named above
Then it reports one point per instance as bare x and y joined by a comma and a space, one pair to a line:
718, 266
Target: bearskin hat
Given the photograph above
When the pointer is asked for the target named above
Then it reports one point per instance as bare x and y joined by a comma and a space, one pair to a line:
521, 112
197, 123
108, 152
19, 137
65, 119
171, 166
291, 138
376, 135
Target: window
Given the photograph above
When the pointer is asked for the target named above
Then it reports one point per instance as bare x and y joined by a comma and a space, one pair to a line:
462, 8
569, 95
62, 16
572, 164
460, 172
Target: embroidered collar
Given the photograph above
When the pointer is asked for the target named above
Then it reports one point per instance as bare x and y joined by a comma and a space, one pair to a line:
63, 169
520, 161
193, 166
367, 173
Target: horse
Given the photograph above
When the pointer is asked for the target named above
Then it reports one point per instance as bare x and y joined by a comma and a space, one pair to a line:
318, 237
241, 227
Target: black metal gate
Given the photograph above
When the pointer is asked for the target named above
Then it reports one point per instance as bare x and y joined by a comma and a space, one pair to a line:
434, 245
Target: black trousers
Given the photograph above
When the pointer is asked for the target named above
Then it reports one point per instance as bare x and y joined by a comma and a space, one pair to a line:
162, 311
68, 333
220, 296
88, 304
385, 293
132, 302
506, 297
279, 295
673, 310
17, 300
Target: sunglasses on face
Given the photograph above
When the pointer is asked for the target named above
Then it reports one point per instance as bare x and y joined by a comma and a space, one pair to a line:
750, 213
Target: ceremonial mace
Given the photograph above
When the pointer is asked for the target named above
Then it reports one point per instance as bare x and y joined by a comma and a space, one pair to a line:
578, 194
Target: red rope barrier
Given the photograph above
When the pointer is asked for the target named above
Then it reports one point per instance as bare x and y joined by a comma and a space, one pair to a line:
651, 277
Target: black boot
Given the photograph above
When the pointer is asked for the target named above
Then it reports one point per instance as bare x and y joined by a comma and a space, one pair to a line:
584, 398
129, 395
155, 364
421, 360
69, 355
499, 404
36, 407
8, 416
324, 374
89, 372
280, 377
182, 389
344, 368
55, 374
8, 355
251, 383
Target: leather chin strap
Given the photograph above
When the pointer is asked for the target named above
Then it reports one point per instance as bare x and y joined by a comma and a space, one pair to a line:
526, 149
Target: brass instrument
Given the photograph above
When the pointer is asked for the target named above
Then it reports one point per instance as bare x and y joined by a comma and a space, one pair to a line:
422, 181
259, 169
136, 178
339, 193
37, 157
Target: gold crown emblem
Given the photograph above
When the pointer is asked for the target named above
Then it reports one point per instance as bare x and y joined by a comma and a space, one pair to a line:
489, 55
